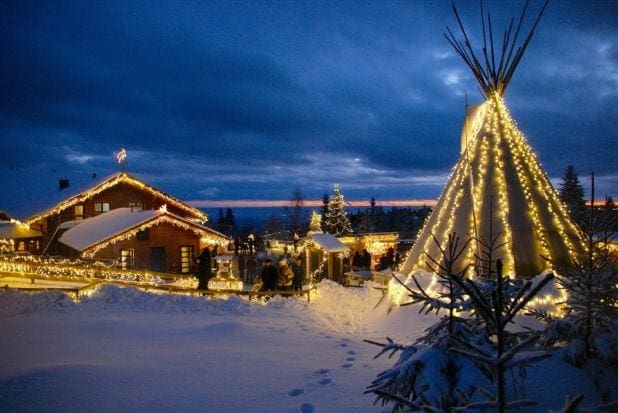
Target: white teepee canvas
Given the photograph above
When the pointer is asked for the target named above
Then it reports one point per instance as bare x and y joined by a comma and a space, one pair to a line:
497, 193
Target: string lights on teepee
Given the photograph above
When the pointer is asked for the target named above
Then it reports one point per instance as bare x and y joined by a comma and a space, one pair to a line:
497, 192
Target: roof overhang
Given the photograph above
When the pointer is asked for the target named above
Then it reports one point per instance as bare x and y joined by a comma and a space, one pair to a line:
17, 230
110, 182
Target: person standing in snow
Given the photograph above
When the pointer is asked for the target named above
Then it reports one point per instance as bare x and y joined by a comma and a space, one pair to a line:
357, 261
242, 274
366, 260
203, 269
251, 269
251, 241
297, 269
285, 276
269, 275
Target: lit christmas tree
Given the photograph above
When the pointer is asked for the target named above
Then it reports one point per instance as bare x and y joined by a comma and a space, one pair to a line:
336, 220
316, 223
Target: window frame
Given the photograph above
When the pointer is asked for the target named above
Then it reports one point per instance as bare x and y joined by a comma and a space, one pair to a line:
186, 258
99, 207
127, 258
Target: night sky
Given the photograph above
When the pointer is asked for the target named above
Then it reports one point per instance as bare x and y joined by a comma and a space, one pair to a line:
250, 100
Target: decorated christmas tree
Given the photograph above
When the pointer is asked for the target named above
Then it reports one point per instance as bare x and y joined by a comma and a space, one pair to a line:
315, 225
336, 220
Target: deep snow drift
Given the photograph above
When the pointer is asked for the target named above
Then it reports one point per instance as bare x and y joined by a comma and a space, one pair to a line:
122, 349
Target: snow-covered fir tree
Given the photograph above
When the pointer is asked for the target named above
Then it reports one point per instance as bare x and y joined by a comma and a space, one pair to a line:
448, 368
336, 219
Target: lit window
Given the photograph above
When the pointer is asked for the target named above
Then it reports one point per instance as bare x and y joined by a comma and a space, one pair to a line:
186, 253
136, 206
78, 212
101, 206
126, 259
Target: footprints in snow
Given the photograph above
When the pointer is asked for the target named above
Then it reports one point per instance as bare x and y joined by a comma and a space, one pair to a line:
307, 408
323, 377
296, 392
325, 381
351, 356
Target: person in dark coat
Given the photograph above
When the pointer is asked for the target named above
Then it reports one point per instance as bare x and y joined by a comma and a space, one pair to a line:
297, 269
357, 261
269, 275
251, 270
203, 269
366, 260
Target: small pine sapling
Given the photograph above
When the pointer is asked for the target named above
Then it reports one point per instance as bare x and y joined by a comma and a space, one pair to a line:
427, 375
495, 303
589, 327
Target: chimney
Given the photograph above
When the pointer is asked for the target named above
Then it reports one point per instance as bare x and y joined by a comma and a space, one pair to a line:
63, 183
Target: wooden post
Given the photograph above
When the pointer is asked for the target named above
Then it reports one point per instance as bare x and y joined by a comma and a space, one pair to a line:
307, 263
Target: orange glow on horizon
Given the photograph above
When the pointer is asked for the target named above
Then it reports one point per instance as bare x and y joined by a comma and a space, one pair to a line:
257, 203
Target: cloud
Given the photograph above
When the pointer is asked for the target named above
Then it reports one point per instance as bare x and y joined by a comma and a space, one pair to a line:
242, 100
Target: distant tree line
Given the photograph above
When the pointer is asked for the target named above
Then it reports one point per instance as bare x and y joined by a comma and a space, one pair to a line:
335, 219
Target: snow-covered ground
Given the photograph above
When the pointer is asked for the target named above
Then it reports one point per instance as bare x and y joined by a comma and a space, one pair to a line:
122, 349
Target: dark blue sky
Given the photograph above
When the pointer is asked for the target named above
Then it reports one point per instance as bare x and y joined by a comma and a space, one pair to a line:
249, 100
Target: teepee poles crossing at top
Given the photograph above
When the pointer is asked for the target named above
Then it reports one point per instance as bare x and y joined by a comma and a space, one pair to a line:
493, 78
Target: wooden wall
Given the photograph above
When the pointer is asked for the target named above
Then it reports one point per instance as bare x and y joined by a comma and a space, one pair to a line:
163, 235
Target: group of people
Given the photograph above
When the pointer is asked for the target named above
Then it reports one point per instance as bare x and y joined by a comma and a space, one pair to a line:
360, 261
389, 259
288, 276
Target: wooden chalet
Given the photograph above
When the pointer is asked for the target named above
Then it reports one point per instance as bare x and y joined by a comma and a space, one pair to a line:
155, 240
119, 190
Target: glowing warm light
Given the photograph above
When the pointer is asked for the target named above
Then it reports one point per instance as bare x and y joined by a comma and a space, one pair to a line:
225, 279
121, 156
70, 270
499, 183
21, 224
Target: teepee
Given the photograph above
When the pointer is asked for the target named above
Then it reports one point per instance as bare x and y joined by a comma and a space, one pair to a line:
497, 193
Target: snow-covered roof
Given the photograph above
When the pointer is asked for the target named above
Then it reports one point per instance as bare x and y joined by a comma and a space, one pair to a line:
104, 227
76, 194
15, 230
329, 242
97, 229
